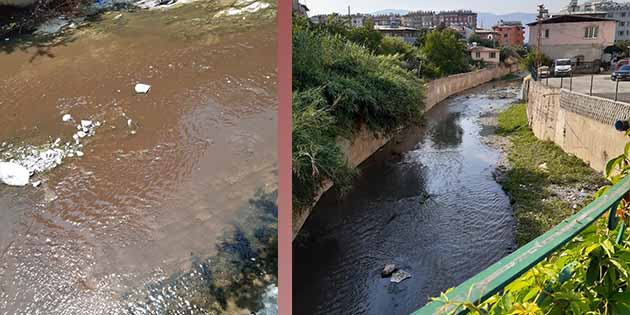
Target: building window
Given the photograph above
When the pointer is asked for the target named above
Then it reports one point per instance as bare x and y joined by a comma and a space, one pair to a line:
505, 35
547, 33
622, 23
591, 31
620, 33
623, 14
609, 15
478, 55
493, 55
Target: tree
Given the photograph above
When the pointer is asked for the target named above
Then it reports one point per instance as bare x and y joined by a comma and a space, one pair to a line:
395, 45
445, 53
366, 36
475, 38
420, 39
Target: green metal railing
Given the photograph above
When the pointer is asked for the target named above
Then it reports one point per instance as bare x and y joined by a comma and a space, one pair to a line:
494, 278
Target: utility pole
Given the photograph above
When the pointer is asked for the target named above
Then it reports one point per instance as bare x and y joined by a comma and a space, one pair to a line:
542, 12
349, 17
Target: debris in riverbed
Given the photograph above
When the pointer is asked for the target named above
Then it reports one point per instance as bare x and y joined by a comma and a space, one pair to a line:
66, 118
142, 88
13, 174
53, 26
250, 8
36, 183
86, 124
400, 276
388, 270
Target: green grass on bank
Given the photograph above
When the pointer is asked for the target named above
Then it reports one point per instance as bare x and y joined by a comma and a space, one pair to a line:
536, 208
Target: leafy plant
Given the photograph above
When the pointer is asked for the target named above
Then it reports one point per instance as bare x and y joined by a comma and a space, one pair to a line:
339, 85
445, 52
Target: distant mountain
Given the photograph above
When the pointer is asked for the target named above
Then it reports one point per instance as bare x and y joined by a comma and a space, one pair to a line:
391, 11
487, 20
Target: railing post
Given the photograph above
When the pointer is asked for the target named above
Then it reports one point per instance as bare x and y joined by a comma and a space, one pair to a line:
612, 216
571, 82
561, 80
622, 230
616, 88
591, 91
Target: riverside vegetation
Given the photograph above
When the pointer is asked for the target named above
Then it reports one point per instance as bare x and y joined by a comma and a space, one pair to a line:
537, 167
345, 78
590, 274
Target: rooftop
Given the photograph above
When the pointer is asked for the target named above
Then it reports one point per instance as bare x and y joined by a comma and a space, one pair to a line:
571, 18
390, 28
481, 48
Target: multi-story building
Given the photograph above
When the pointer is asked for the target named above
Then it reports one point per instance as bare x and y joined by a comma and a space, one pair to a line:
608, 9
581, 38
490, 35
419, 19
408, 34
391, 20
357, 20
457, 17
300, 9
319, 19
414, 19
511, 33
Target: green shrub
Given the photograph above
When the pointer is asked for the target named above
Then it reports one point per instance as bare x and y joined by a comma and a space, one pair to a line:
445, 53
530, 60
337, 86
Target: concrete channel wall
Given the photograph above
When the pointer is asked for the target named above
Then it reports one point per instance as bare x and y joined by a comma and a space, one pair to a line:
366, 143
580, 124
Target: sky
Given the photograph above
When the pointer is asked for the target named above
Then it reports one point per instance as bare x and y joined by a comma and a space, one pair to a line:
490, 6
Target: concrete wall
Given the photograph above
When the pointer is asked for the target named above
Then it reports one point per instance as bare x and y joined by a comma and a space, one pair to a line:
580, 124
438, 90
366, 143
356, 151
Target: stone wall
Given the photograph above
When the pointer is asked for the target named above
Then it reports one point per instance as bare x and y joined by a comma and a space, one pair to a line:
440, 89
580, 124
365, 143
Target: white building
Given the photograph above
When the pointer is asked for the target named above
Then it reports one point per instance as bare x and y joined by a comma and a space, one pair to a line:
607, 9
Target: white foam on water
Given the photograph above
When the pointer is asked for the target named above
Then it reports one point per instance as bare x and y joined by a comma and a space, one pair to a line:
270, 300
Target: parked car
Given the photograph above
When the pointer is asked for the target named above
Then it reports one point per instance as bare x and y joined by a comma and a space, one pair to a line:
543, 72
562, 67
622, 74
619, 63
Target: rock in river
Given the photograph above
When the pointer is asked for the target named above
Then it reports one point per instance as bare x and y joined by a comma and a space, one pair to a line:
388, 270
399, 276
13, 174
142, 88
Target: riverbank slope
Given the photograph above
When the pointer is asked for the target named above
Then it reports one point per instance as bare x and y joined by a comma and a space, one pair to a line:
545, 184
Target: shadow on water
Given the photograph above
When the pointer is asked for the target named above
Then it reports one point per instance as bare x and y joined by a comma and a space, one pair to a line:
448, 133
235, 279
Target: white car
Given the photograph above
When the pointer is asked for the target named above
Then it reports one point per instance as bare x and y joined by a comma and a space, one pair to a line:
562, 67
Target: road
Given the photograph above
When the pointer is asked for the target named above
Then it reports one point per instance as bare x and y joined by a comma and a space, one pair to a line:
602, 85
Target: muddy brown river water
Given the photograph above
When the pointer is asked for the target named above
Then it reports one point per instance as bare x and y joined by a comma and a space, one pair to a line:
171, 209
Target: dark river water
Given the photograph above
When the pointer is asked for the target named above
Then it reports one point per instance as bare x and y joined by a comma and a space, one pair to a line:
170, 208
426, 202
